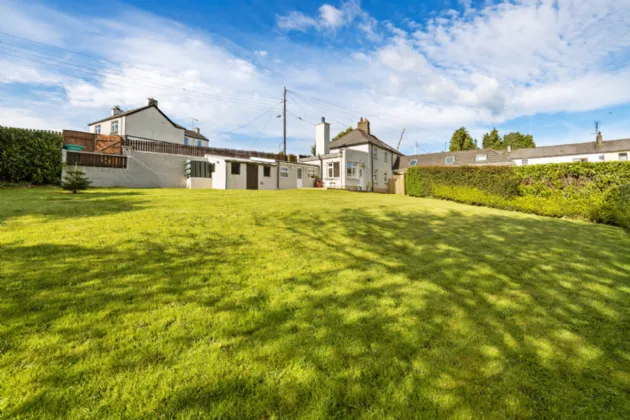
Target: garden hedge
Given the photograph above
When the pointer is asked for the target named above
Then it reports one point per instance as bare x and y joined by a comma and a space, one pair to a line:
580, 190
31, 156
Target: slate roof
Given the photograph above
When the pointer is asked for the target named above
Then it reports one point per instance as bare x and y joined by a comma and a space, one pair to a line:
357, 137
607, 146
133, 111
466, 157
193, 134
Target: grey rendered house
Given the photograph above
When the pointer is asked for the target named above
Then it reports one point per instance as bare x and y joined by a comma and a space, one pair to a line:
481, 157
356, 161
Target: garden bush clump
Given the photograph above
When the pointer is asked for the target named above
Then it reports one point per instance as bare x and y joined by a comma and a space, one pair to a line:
585, 190
615, 208
30, 156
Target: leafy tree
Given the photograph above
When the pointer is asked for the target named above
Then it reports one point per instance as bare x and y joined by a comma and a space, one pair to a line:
518, 140
492, 140
75, 180
314, 150
343, 133
462, 140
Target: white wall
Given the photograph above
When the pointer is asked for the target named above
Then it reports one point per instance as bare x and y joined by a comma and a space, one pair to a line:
332, 182
236, 182
383, 166
106, 127
267, 183
567, 159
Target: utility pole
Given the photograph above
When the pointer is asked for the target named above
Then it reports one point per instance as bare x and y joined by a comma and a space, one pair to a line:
284, 122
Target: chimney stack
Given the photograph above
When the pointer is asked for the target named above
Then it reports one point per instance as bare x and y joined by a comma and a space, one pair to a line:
509, 148
197, 130
600, 139
153, 102
364, 125
116, 110
322, 138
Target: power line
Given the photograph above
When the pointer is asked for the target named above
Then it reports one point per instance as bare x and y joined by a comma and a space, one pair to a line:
252, 121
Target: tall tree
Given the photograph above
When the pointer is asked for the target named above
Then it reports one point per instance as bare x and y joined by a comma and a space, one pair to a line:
518, 140
462, 140
492, 140
314, 150
342, 133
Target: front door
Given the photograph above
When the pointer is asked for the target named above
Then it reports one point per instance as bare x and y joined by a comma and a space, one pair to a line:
252, 177
300, 181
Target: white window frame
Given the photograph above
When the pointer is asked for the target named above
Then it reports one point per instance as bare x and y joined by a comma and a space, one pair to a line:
311, 173
449, 160
375, 176
413, 162
330, 170
375, 152
97, 129
352, 167
284, 172
115, 124
385, 156
385, 176
482, 157
623, 157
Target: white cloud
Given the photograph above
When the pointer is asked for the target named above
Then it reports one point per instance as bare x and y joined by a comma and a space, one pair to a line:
261, 53
331, 17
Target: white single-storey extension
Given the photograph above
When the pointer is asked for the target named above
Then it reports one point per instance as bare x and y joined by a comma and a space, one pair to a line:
231, 173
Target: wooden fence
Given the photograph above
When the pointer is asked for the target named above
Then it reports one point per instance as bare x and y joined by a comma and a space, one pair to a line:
147, 145
98, 160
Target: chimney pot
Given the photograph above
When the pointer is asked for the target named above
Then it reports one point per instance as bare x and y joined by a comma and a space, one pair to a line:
323, 119
116, 110
153, 102
600, 139
197, 130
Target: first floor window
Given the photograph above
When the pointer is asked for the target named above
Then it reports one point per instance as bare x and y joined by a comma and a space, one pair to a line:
374, 152
385, 177
351, 169
267, 171
186, 141
284, 172
623, 157
385, 155
198, 143
376, 176
236, 168
114, 127
97, 129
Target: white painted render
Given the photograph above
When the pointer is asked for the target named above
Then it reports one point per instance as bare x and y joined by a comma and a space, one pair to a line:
322, 138
106, 127
571, 158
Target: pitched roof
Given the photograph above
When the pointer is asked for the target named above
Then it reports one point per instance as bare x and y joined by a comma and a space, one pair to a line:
133, 111
193, 134
572, 149
465, 157
357, 137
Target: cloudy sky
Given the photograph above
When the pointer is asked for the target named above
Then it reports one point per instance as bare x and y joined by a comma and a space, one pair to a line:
549, 68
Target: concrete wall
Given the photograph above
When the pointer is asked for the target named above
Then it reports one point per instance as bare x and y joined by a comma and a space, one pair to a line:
151, 124
267, 183
199, 183
144, 170
236, 182
565, 159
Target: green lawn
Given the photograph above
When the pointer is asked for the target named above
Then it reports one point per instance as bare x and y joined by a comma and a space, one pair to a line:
237, 304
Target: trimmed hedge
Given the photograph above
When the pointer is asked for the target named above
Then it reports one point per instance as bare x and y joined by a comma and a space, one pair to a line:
616, 206
577, 190
31, 156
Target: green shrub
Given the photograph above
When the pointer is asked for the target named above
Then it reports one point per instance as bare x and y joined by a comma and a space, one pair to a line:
615, 208
577, 190
75, 180
30, 156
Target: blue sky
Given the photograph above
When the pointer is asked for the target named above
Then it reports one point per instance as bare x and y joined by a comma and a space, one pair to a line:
549, 68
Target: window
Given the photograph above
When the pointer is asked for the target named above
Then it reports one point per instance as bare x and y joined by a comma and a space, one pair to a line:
413, 162
333, 169
97, 129
284, 172
385, 177
311, 173
267, 171
198, 143
580, 159
185, 141
236, 168
623, 157
114, 127
524, 162
351, 169
385, 155
374, 152
602, 158
375, 176
481, 158
449, 159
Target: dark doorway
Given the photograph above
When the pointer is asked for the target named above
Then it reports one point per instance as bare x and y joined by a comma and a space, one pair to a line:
252, 177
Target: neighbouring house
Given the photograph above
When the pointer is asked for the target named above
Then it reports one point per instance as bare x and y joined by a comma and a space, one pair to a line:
597, 151
232, 173
356, 161
148, 123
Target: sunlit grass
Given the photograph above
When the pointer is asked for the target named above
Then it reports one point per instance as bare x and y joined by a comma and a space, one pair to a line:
314, 304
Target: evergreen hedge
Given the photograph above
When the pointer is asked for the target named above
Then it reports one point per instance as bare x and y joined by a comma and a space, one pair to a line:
578, 190
32, 156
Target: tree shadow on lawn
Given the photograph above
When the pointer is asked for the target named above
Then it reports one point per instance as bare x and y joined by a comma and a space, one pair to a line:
388, 313
55, 204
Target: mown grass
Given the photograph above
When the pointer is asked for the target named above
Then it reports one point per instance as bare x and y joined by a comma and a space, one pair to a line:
313, 304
